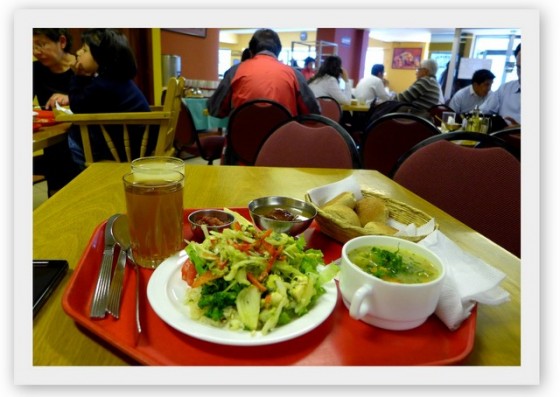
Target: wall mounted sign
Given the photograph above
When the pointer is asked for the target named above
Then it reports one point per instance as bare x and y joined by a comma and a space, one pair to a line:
199, 32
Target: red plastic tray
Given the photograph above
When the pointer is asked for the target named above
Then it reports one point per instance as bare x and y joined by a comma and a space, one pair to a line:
339, 340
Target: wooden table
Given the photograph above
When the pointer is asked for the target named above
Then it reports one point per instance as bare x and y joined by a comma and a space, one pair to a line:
355, 108
63, 225
50, 135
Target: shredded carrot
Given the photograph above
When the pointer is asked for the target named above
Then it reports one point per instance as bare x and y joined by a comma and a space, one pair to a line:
267, 300
204, 278
255, 282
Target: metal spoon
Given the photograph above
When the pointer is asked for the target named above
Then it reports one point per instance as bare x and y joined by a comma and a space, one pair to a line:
122, 236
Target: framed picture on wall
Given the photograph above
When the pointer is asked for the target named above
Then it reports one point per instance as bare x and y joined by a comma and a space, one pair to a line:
406, 58
199, 32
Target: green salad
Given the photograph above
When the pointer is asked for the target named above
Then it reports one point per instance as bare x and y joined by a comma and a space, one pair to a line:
247, 279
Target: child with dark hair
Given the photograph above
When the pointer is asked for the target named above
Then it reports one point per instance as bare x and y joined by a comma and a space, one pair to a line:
103, 84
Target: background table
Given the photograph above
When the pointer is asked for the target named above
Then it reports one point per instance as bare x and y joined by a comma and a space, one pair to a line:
63, 225
203, 121
50, 135
355, 108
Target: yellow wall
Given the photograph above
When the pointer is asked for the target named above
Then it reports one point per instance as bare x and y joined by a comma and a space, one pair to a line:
156, 67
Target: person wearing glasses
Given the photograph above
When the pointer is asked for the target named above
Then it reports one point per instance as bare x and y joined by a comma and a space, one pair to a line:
425, 92
473, 95
506, 101
52, 73
52, 69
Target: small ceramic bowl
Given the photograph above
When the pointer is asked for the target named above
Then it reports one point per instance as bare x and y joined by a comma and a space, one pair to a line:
214, 219
282, 214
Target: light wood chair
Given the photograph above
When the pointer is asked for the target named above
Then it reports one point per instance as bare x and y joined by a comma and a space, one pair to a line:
165, 117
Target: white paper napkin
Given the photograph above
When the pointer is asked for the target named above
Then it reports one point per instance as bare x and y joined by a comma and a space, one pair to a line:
469, 280
324, 193
63, 110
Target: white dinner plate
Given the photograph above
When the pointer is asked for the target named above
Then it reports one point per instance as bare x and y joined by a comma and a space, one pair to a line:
166, 294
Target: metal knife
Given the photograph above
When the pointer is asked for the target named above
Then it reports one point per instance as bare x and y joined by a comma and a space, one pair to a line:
115, 290
101, 294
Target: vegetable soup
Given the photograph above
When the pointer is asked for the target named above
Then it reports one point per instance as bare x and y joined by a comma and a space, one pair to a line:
394, 265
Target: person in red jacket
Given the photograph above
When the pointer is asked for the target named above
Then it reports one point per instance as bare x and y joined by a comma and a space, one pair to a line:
263, 76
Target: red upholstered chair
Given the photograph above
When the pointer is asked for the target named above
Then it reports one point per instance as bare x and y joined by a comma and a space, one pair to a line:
481, 187
330, 108
207, 144
386, 139
312, 141
248, 126
511, 135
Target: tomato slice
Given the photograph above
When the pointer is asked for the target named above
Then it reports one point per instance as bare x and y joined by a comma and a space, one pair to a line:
188, 272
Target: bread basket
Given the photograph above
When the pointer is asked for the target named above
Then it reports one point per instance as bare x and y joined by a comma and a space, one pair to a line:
400, 212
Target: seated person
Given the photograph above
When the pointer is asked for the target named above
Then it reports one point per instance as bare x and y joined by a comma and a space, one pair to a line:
52, 72
103, 84
467, 98
425, 92
308, 70
263, 76
326, 81
506, 101
372, 88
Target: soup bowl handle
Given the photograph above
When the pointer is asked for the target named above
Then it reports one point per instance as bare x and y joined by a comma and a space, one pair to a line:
359, 307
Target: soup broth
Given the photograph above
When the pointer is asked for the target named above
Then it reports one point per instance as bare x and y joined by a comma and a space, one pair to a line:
395, 265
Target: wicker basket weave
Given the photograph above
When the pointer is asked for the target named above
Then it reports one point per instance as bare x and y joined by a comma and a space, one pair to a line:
342, 232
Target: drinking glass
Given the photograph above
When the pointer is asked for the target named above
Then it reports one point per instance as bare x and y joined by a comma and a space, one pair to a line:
447, 118
156, 163
154, 205
484, 125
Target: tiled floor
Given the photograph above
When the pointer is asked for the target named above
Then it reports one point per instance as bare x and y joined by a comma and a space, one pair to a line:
40, 189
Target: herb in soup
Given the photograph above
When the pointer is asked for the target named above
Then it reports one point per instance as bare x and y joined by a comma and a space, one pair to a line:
394, 265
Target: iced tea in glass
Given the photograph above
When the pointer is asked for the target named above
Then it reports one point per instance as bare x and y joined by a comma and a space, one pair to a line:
154, 204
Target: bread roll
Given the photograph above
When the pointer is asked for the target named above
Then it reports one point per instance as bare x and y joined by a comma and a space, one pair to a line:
344, 213
346, 198
379, 228
371, 209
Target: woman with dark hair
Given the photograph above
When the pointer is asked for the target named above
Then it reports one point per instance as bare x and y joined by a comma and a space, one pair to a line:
52, 69
103, 84
326, 81
52, 72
